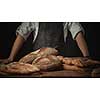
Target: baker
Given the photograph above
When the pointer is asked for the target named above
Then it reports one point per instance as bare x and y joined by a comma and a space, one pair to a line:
48, 34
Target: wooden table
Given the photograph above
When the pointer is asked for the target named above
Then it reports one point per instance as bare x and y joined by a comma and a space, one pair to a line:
53, 74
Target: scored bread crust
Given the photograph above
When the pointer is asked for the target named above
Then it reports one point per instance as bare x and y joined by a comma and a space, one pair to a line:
80, 61
47, 51
19, 68
28, 58
72, 67
38, 53
47, 63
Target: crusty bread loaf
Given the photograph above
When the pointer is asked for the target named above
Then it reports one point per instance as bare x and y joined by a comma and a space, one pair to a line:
47, 63
72, 67
18, 68
60, 58
80, 61
28, 58
38, 53
47, 51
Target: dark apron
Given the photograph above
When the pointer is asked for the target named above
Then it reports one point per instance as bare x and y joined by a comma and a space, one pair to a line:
50, 34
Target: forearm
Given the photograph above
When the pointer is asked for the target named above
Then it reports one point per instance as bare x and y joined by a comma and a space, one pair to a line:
16, 47
82, 44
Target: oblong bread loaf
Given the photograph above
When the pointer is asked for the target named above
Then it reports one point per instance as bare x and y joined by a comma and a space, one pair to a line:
48, 63
19, 68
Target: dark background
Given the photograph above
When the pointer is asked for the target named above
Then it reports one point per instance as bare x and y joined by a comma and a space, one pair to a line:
7, 37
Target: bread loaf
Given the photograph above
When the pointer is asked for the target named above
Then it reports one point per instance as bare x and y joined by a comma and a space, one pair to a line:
29, 57
72, 67
18, 68
38, 53
47, 63
47, 51
79, 61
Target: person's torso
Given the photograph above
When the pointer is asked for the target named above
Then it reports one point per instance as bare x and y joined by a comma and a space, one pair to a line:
50, 34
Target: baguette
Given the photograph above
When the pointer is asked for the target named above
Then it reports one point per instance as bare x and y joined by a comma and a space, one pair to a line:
72, 67
19, 68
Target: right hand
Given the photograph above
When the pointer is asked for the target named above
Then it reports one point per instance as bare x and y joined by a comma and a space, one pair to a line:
6, 61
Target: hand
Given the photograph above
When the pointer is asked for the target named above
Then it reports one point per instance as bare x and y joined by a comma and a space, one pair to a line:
88, 57
6, 61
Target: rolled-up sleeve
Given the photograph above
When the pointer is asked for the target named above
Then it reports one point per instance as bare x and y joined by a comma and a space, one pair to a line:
75, 28
25, 29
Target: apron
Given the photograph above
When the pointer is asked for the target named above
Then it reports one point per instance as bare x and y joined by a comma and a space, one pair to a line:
51, 34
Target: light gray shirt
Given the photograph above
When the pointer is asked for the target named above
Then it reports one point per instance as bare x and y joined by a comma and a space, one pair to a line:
26, 28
